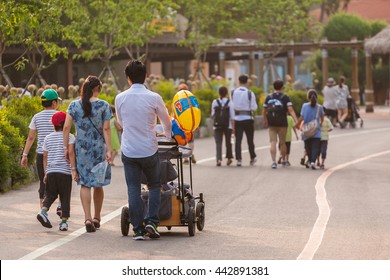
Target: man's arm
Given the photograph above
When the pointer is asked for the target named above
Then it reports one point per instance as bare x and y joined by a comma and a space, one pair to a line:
30, 141
165, 120
118, 112
44, 165
292, 113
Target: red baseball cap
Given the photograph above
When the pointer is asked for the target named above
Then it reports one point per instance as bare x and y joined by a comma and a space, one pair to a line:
58, 118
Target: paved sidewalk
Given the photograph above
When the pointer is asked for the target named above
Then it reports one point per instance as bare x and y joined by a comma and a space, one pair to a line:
380, 112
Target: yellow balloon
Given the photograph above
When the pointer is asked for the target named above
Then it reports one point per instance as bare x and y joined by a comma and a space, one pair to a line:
187, 110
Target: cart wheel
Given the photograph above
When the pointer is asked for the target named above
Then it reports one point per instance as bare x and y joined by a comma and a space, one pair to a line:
169, 227
125, 224
200, 214
191, 221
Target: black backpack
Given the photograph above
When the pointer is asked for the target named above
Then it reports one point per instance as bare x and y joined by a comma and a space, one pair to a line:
221, 115
276, 114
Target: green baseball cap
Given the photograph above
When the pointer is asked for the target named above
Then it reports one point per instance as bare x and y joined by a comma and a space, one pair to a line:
49, 94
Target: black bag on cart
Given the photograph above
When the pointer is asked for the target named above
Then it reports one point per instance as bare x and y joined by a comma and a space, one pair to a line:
165, 211
168, 172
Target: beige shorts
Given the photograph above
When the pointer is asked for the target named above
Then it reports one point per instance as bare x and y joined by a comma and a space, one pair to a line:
277, 133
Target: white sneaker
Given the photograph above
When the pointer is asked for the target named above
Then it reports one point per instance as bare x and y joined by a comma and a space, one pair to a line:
63, 226
239, 162
253, 161
43, 218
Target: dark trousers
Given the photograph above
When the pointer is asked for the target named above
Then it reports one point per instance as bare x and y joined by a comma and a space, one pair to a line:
218, 136
323, 148
41, 175
59, 184
151, 167
247, 127
312, 146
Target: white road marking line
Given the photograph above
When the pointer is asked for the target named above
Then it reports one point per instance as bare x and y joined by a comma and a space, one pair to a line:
49, 247
319, 227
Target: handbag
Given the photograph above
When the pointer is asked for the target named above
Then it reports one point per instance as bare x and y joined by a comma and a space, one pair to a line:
310, 128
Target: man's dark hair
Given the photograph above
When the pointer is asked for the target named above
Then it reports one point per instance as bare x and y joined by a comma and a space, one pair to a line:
136, 71
243, 79
223, 91
278, 84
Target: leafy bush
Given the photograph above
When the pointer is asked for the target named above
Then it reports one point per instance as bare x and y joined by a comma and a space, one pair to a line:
343, 27
4, 162
166, 89
14, 143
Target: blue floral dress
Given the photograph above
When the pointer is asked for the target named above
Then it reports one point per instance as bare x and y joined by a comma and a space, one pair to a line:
89, 146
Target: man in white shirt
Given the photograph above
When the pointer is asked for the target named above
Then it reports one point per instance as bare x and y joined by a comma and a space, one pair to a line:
137, 111
244, 103
330, 97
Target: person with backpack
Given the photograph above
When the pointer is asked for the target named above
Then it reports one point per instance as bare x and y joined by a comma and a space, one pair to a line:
222, 113
244, 103
275, 108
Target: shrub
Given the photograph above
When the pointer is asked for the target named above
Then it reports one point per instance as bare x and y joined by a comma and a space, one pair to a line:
4, 162
14, 143
205, 98
166, 89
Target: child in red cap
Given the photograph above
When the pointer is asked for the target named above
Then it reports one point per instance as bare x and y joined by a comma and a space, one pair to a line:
58, 172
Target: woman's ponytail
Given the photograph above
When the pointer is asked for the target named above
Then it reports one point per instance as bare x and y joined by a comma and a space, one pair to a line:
86, 93
312, 97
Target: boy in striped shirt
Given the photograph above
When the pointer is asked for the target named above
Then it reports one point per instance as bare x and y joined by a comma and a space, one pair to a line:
58, 172
41, 126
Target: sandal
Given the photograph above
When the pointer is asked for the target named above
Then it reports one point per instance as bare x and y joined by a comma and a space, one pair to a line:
96, 222
89, 226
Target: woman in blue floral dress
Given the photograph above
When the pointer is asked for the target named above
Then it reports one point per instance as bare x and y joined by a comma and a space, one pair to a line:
91, 117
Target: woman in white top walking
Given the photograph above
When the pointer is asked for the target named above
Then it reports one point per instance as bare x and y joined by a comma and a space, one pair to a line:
341, 102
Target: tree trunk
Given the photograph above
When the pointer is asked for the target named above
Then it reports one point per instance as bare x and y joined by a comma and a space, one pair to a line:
322, 11
6, 77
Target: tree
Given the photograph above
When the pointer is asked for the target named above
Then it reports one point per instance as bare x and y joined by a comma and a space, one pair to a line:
11, 14
47, 27
344, 27
280, 21
331, 7
208, 23
116, 24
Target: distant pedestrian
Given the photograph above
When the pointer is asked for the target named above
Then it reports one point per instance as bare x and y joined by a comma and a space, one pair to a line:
58, 172
341, 102
41, 126
311, 111
115, 130
330, 98
290, 129
244, 103
222, 112
326, 127
91, 117
275, 109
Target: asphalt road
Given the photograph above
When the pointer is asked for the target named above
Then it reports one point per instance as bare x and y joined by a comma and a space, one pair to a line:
252, 212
